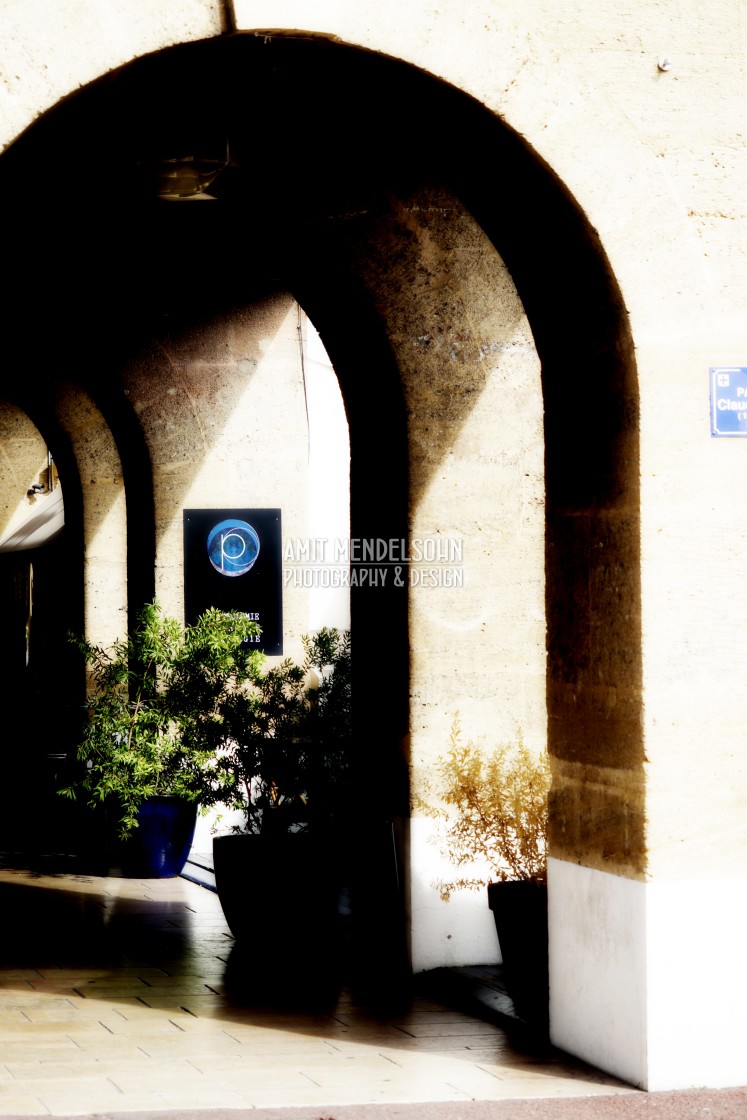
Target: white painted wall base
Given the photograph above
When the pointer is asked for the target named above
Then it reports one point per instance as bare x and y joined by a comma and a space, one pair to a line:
598, 968
445, 934
648, 981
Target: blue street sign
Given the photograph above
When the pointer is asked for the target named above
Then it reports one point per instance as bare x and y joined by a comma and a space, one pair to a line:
729, 400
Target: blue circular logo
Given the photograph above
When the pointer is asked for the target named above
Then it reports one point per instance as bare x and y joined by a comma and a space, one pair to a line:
232, 547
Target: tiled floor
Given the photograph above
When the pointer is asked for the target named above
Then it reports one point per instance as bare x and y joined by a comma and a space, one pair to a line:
113, 999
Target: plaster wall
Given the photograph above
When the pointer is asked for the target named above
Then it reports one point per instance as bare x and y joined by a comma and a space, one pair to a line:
329, 478
626, 958
50, 48
222, 410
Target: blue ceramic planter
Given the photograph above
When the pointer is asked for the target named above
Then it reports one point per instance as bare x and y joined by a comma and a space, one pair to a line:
159, 846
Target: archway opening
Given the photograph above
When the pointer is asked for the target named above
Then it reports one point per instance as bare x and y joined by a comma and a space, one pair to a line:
317, 157
39, 564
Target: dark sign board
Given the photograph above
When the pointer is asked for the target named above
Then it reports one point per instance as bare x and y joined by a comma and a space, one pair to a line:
232, 560
728, 401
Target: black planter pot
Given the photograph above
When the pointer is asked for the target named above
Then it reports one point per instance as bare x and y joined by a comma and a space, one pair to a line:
159, 846
520, 915
282, 897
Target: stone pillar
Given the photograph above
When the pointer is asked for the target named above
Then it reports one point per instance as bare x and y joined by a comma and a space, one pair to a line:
104, 515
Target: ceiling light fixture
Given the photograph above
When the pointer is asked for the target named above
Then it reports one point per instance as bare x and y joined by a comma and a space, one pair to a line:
187, 178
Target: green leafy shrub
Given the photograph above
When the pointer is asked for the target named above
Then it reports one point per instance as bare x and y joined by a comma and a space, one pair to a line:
156, 715
491, 807
285, 762
193, 711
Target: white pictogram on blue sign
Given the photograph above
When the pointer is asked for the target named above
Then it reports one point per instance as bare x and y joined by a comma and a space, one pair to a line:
729, 400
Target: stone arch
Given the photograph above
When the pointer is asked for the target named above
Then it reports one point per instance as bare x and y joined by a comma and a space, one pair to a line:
30, 535
62, 579
383, 151
103, 559
87, 459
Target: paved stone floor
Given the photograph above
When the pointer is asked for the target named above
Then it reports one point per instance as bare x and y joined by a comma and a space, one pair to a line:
113, 999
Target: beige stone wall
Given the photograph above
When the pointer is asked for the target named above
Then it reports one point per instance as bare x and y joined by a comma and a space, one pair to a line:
49, 48
23, 462
104, 513
221, 407
473, 399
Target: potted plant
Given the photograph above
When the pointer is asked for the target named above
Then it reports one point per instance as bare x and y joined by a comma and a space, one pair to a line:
492, 810
285, 765
154, 724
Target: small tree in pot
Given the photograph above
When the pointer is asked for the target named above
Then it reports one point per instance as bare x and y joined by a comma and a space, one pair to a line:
285, 765
491, 807
155, 722
284, 762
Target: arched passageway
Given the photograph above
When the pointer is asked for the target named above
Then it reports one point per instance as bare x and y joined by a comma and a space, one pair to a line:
338, 181
40, 575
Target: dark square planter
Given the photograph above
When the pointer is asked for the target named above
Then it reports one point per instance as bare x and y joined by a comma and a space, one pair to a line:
520, 915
